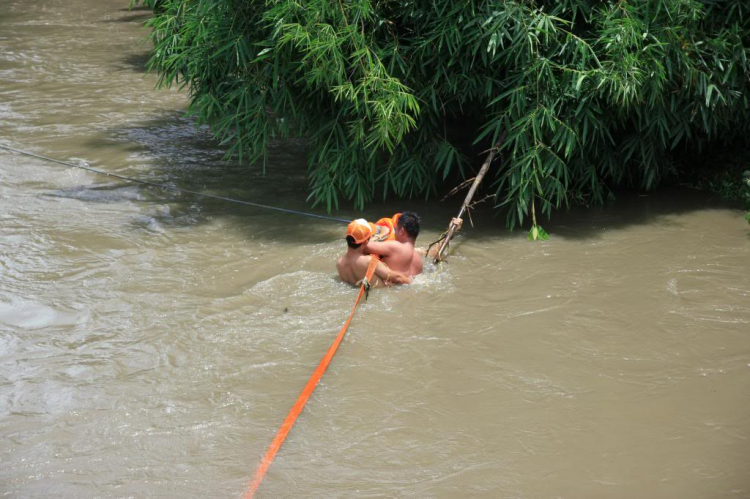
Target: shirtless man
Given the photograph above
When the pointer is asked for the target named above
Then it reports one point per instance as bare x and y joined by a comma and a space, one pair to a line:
352, 266
400, 254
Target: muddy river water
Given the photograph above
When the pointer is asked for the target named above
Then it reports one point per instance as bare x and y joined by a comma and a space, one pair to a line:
152, 342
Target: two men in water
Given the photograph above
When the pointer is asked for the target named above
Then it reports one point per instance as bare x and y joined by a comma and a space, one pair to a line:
352, 266
392, 240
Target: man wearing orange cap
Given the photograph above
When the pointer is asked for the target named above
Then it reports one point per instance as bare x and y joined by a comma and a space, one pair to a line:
352, 267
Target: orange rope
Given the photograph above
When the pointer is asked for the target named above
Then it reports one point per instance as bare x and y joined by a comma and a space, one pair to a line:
306, 391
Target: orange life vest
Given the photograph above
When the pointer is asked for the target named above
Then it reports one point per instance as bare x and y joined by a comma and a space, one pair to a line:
387, 228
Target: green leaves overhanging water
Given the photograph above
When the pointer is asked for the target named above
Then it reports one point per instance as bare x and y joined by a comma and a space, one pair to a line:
592, 95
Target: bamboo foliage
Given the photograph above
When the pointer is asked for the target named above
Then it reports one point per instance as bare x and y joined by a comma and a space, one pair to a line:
593, 95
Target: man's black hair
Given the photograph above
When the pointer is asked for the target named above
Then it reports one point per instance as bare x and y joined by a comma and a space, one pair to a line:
410, 222
350, 242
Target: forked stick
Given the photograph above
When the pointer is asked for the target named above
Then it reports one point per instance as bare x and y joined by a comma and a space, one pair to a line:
443, 247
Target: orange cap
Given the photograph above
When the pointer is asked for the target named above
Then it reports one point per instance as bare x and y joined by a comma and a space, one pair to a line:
361, 230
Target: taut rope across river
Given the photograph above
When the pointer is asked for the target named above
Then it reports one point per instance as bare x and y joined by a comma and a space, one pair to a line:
175, 189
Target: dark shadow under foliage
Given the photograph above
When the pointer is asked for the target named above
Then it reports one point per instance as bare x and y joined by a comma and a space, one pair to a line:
181, 156
133, 18
136, 62
594, 96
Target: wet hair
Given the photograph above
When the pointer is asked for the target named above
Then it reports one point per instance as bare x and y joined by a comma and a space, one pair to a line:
410, 222
350, 242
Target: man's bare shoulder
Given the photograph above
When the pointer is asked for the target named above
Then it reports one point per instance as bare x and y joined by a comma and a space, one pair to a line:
363, 261
340, 262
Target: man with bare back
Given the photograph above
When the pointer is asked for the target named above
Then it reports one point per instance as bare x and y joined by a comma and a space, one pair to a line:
352, 266
393, 240
398, 252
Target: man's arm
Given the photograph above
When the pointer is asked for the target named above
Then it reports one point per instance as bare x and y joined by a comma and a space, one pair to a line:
385, 248
389, 276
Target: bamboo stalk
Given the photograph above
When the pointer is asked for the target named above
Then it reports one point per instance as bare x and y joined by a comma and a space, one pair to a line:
443, 247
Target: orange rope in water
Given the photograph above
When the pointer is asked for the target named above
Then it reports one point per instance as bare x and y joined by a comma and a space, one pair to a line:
306, 391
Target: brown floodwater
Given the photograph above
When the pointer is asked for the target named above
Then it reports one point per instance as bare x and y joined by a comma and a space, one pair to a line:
151, 342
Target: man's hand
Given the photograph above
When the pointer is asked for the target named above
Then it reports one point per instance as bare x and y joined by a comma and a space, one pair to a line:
458, 222
398, 278
389, 276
